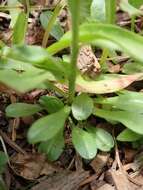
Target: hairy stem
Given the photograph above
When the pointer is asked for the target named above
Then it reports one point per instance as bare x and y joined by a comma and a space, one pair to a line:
74, 6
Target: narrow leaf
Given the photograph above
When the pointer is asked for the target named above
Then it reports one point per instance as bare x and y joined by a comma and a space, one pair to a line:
129, 136
128, 101
133, 121
20, 28
106, 34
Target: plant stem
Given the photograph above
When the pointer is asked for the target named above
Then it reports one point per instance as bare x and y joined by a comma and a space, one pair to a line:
75, 13
133, 19
51, 23
110, 6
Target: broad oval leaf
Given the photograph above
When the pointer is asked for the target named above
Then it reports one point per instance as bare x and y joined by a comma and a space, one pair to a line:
53, 147
22, 109
133, 121
129, 136
82, 107
47, 127
51, 103
104, 141
84, 143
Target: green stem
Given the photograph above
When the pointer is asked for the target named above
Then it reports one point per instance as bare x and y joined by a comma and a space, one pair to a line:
104, 56
133, 19
110, 11
75, 13
51, 23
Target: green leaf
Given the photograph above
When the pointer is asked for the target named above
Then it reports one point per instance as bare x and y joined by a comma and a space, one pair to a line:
136, 3
129, 136
22, 109
38, 57
133, 121
132, 11
54, 147
98, 10
84, 143
107, 35
133, 67
47, 127
2, 184
25, 81
26, 53
13, 13
82, 107
57, 31
20, 27
51, 103
128, 101
85, 10
104, 141
3, 161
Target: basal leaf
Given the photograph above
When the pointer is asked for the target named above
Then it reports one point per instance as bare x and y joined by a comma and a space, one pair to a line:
47, 127
128, 101
84, 143
129, 136
82, 107
20, 28
106, 34
51, 103
22, 109
53, 147
23, 81
38, 57
104, 141
133, 67
133, 121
